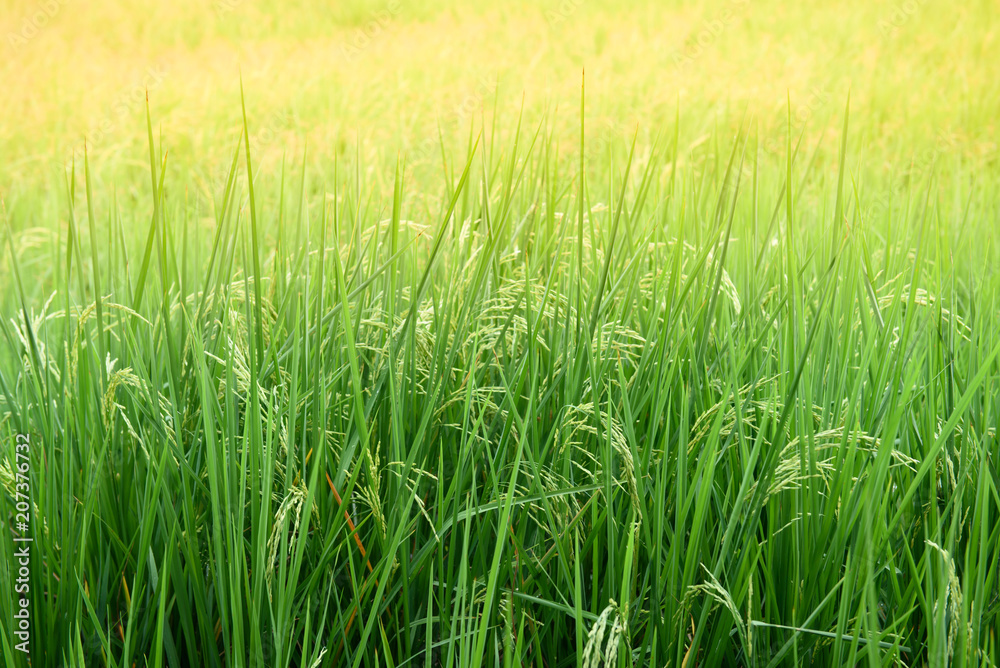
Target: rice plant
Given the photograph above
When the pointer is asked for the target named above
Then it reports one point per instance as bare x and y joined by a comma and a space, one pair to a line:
669, 397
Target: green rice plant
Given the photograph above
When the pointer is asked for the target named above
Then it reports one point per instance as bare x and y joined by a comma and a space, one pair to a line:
677, 403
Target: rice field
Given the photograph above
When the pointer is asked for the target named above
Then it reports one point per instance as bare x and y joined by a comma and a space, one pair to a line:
572, 334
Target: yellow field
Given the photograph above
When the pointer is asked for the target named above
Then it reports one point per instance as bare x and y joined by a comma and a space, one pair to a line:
920, 74
722, 395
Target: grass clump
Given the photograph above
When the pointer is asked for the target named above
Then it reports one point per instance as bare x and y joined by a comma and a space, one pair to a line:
666, 405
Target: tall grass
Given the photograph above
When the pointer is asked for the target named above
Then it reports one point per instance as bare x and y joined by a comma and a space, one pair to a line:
627, 408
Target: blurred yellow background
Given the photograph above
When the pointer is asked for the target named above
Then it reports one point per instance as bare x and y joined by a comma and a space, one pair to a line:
922, 74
